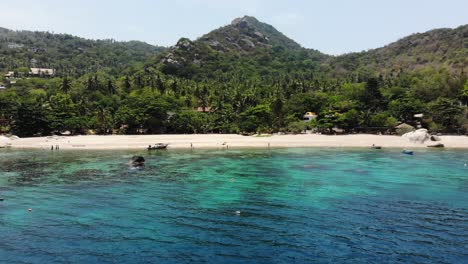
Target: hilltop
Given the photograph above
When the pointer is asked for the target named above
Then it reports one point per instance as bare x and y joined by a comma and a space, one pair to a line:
244, 43
245, 34
69, 55
436, 48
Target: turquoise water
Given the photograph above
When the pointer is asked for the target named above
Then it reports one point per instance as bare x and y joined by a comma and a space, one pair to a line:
234, 206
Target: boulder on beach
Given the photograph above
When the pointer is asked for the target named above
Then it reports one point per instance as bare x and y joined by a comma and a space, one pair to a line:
404, 128
435, 138
137, 161
418, 136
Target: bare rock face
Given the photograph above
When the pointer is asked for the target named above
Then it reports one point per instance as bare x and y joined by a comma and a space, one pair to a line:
241, 23
170, 59
184, 44
259, 35
248, 43
216, 45
418, 136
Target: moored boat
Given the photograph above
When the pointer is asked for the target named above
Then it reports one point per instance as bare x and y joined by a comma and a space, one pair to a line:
157, 146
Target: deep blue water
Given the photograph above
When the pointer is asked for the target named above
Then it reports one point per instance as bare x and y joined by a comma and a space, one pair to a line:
234, 206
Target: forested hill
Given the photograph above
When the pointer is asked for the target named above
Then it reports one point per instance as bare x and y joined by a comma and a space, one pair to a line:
245, 47
437, 48
251, 48
69, 55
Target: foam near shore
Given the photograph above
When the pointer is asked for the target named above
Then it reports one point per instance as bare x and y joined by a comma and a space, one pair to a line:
229, 141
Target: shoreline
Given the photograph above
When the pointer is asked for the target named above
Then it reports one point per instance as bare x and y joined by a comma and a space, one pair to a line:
220, 141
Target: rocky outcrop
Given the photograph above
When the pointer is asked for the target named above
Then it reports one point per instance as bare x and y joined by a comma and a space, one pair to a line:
216, 45
169, 59
241, 22
404, 128
184, 44
418, 136
259, 35
247, 43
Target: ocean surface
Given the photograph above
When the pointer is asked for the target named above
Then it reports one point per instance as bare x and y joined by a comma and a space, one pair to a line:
234, 206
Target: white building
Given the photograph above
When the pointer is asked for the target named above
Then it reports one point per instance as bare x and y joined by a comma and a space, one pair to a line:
309, 116
15, 45
42, 72
9, 75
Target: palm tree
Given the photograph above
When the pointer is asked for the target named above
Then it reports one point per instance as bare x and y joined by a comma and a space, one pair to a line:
66, 85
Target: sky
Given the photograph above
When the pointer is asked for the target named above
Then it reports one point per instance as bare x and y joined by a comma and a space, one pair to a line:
333, 26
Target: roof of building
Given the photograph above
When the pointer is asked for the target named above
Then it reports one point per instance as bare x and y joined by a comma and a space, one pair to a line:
404, 125
9, 74
201, 109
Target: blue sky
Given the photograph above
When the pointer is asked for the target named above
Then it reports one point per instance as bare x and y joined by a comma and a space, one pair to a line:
333, 26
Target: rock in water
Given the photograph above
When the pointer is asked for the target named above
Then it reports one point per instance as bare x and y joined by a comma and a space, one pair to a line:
137, 161
418, 136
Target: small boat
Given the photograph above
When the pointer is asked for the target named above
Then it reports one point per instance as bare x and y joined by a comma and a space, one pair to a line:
407, 152
157, 146
376, 147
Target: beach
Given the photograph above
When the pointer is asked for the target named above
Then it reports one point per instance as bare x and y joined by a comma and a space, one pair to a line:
229, 141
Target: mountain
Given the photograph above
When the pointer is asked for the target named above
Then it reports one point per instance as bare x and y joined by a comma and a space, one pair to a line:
68, 54
436, 48
245, 47
245, 34
245, 43
249, 43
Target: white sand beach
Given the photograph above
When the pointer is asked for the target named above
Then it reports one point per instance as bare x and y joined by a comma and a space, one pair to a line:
229, 141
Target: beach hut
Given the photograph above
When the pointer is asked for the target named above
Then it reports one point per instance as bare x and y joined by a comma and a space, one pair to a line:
308, 116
